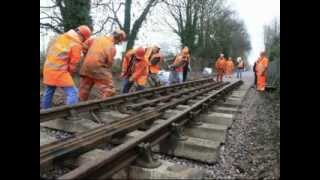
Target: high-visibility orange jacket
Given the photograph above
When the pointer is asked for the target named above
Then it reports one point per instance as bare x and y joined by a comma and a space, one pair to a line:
62, 57
125, 62
98, 61
229, 67
138, 70
154, 60
177, 62
220, 64
262, 66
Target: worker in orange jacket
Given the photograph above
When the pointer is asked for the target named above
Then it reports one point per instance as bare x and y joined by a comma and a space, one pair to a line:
96, 68
181, 60
155, 59
134, 69
229, 67
220, 67
63, 55
261, 71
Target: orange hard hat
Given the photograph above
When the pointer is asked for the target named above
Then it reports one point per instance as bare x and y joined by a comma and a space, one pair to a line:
140, 53
84, 31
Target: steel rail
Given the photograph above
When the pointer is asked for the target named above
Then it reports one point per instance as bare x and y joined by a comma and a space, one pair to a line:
65, 111
57, 149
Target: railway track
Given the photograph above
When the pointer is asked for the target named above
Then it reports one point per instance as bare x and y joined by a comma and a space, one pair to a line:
115, 102
144, 120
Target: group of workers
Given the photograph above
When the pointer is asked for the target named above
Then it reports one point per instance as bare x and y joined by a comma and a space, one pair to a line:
225, 66
139, 65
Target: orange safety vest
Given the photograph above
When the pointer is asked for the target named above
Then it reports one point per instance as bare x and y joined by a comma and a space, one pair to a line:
64, 52
98, 61
138, 70
221, 64
262, 65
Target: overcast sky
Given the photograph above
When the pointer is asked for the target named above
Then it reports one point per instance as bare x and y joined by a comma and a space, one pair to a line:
255, 14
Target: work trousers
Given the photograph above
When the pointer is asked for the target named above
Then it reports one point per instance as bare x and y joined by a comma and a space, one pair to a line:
239, 73
105, 87
70, 92
185, 73
220, 73
261, 82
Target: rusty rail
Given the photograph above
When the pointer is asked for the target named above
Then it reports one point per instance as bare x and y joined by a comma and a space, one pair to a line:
85, 141
167, 98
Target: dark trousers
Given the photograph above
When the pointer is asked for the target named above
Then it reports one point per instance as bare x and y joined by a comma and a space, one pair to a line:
127, 86
184, 75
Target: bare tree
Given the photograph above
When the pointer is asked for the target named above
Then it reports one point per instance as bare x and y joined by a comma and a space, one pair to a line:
208, 27
133, 30
186, 15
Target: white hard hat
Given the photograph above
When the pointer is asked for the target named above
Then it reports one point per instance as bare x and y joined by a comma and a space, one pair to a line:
156, 45
239, 58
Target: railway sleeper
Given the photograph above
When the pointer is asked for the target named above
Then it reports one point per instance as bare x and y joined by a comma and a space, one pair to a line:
192, 146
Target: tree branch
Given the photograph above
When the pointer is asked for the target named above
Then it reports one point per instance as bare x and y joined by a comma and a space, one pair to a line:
102, 26
48, 7
54, 28
143, 15
173, 29
115, 16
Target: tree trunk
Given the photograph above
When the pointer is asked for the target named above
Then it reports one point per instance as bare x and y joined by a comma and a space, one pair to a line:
127, 16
